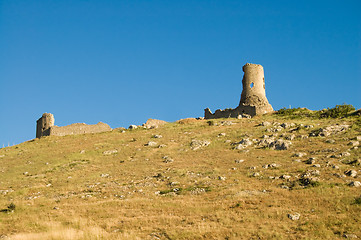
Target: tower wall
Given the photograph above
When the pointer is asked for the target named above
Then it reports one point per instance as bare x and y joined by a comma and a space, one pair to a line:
254, 90
253, 97
44, 124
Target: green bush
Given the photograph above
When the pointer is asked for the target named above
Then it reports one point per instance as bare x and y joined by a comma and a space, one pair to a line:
295, 112
337, 112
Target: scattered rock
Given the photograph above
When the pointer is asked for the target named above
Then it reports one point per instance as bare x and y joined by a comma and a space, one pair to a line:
290, 137
197, 144
349, 235
355, 184
330, 141
329, 130
351, 173
110, 152
239, 161
309, 178
226, 123
167, 159
299, 154
245, 142
256, 174
353, 143
221, 178
311, 160
133, 127
157, 136
151, 144
316, 165
345, 154
287, 125
280, 145
285, 177
356, 162
266, 124
303, 136
294, 216
82, 151
221, 135
272, 165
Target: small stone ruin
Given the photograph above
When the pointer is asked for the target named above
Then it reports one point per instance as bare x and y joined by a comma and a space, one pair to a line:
253, 98
45, 127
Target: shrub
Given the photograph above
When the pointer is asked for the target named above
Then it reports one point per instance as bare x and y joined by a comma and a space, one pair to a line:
337, 112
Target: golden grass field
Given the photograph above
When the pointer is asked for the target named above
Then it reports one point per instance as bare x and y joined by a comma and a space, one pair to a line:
67, 188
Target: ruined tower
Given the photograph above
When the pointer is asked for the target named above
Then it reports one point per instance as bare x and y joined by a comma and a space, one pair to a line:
253, 98
44, 124
254, 89
45, 127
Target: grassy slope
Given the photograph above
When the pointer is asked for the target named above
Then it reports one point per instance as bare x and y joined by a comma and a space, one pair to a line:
66, 194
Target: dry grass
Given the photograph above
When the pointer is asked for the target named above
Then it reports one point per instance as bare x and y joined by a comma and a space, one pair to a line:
135, 194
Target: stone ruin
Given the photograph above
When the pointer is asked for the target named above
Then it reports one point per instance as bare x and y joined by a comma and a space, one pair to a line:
253, 98
45, 127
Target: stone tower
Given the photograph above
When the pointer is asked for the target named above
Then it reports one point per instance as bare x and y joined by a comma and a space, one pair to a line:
253, 98
254, 89
44, 124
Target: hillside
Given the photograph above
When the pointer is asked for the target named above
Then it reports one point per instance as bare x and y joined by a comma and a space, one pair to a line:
269, 177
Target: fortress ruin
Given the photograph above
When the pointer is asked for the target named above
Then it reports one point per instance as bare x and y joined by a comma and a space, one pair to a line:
45, 127
253, 98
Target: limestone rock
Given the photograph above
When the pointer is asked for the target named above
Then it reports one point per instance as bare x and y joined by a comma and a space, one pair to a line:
110, 152
351, 173
353, 143
280, 145
294, 216
154, 123
299, 154
245, 142
151, 144
329, 130
355, 184
197, 144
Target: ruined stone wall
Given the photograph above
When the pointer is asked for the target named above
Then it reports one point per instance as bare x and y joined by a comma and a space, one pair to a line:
45, 127
253, 98
240, 111
79, 128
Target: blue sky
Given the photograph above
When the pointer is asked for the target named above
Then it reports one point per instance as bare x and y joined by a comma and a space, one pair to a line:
122, 62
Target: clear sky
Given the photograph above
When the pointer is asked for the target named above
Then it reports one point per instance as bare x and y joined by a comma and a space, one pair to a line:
122, 62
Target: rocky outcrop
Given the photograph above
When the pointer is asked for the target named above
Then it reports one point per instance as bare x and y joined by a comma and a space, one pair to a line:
154, 123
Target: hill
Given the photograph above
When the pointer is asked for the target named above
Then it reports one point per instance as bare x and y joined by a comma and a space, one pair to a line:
273, 176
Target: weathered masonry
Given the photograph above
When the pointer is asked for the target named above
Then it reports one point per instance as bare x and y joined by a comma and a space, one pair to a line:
253, 98
45, 127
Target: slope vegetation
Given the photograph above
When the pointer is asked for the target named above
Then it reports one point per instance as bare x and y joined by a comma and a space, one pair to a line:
261, 178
